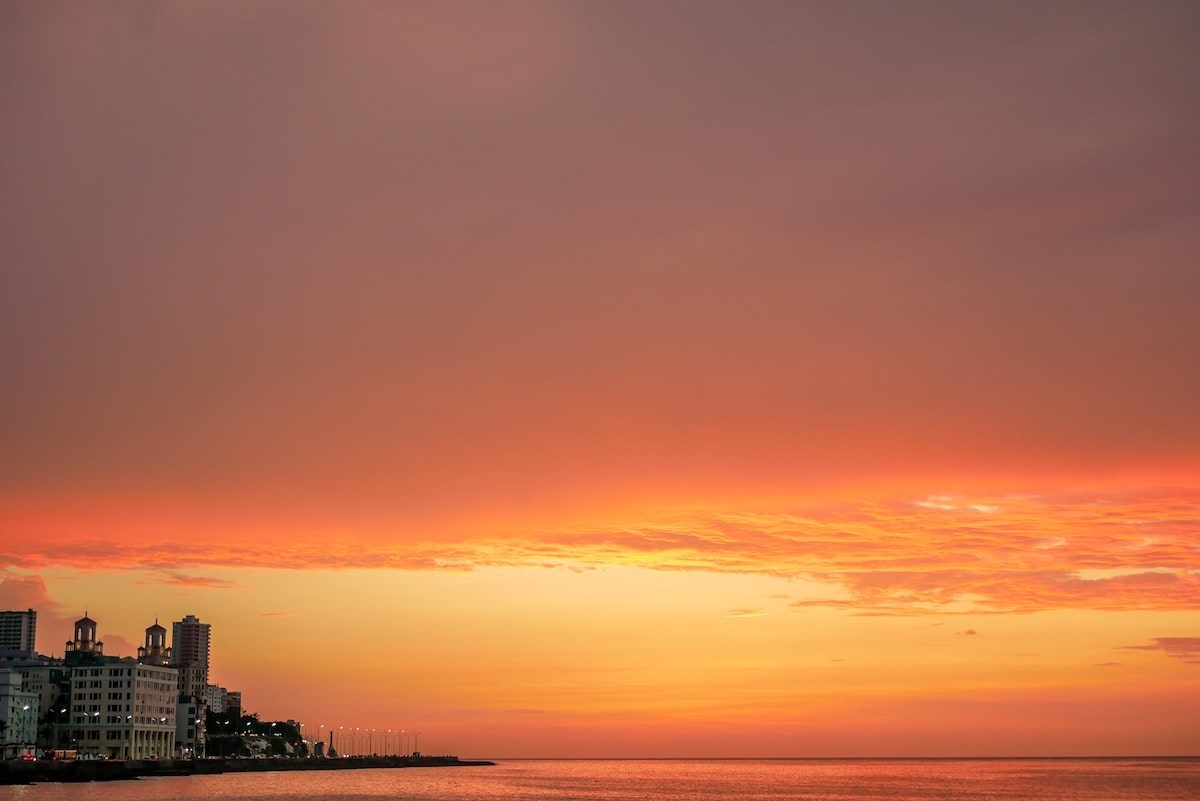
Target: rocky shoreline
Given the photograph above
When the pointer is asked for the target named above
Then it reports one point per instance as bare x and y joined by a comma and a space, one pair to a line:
18, 772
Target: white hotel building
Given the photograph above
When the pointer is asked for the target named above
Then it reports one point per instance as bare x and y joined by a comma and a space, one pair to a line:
124, 710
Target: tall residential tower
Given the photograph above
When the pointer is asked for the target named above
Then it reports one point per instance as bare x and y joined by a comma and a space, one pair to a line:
189, 653
18, 630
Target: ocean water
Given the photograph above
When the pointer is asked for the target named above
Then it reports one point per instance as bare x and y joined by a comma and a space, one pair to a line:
695, 780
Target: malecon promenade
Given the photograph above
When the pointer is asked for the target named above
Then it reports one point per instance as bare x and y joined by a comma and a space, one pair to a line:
20, 772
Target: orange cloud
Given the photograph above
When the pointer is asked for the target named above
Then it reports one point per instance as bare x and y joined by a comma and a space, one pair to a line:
1126, 549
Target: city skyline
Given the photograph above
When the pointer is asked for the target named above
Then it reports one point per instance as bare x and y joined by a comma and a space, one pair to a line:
618, 379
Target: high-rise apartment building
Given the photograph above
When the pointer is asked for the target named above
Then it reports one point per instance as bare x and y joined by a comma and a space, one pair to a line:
189, 642
189, 655
18, 630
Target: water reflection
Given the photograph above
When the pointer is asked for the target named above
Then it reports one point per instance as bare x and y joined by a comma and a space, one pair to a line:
696, 780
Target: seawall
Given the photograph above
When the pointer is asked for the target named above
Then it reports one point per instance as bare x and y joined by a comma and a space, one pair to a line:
17, 772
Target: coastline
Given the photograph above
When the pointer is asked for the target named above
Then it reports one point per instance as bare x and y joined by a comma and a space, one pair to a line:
65, 771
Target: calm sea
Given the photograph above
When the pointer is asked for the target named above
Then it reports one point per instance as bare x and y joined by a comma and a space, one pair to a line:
695, 780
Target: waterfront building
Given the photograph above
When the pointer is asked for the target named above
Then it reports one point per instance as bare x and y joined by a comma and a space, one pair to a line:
18, 631
189, 728
51, 683
123, 709
233, 703
214, 698
18, 716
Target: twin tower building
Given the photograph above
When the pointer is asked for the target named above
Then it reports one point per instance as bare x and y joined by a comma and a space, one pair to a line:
153, 705
188, 653
123, 707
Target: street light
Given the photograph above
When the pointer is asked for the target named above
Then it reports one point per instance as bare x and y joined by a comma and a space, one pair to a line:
25, 727
58, 727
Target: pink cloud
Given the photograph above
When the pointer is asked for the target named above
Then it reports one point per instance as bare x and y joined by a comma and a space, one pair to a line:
30, 592
25, 592
205, 582
1186, 649
116, 645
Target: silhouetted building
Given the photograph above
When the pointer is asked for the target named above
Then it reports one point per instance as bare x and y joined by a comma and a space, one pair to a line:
233, 703
189, 641
18, 630
189, 654
214, 697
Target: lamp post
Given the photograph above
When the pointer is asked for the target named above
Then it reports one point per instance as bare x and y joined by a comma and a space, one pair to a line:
60, 725
25, 728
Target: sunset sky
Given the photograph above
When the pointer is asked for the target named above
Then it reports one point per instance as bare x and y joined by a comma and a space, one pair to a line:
617, 378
